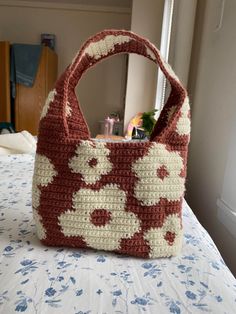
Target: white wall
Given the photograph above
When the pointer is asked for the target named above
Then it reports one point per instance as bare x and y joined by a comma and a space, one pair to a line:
142, 74
181, 37
102, 89
227, 200
229, 186
212, 92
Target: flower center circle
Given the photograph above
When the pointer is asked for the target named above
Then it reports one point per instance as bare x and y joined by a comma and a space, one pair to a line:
100, 217
162, 172
93, 162
170, 237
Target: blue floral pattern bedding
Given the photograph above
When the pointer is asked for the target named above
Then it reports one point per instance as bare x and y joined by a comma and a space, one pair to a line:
39, 279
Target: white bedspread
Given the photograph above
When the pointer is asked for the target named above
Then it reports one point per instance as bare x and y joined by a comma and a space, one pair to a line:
38, 279
17, 143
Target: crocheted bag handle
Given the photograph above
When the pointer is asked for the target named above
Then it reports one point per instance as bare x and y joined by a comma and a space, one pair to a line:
105, 44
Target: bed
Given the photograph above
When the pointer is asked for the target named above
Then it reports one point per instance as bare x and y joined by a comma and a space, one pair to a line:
39, 279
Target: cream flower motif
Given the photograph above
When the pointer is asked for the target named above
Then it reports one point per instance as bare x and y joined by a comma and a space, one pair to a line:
41, 232
150, 53
166, 240
183, 124
68, 109
100, 218
49, 99
102, 47
91, 161
170, 113
158, 176
44, 172
170, 70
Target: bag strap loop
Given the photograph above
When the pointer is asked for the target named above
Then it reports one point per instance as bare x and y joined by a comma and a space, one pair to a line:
108, 43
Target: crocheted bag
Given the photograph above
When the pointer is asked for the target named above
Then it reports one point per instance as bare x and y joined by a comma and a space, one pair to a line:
117, 196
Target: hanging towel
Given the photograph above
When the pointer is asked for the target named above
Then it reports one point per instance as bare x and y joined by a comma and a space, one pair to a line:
24, 64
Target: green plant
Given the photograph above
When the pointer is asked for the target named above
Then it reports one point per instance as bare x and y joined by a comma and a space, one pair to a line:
148, 121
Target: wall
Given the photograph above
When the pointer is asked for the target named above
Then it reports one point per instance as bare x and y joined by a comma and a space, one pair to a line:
101, 90
227, 201
229, 186
212, 93
142, 74
181, 37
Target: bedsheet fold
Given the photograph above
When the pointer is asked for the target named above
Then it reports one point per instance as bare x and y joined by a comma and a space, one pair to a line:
17, 143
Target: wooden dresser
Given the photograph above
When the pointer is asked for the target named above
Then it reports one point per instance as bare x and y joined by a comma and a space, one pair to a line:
5, 101
29, 101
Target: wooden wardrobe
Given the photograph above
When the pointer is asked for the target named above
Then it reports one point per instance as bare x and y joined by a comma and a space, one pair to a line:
29, 100
5, 101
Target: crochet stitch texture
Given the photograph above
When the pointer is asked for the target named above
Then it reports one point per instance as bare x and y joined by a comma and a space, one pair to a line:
116, 196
